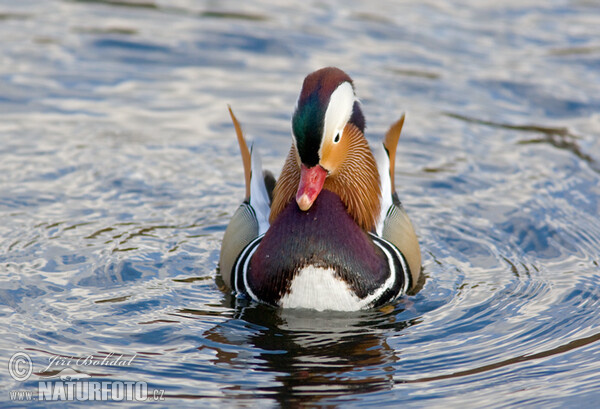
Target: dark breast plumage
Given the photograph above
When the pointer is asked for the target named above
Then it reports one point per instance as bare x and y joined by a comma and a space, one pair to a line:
328, 243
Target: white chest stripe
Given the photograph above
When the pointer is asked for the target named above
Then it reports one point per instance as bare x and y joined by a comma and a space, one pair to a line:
390, 280
319, 288
248, 289
245, 257
399, 256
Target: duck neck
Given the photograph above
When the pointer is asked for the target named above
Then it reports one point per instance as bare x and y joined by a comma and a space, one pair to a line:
356, 181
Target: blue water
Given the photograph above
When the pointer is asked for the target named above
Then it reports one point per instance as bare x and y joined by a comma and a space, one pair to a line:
119, 171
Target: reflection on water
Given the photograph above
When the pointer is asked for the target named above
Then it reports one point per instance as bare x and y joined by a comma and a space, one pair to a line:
314, 357
119, 171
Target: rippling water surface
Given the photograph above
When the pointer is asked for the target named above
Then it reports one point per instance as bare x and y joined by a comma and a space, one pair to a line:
119, 171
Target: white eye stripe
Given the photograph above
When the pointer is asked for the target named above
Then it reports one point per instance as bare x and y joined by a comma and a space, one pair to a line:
338, 112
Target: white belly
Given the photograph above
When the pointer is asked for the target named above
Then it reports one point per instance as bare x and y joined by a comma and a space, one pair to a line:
319, 289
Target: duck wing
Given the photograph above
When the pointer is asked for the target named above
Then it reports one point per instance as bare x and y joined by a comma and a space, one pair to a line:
251, 219
393, 223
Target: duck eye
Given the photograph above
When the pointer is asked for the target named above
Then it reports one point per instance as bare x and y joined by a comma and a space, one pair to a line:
337, 137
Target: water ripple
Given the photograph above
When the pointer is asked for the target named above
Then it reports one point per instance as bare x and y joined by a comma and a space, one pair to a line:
119, 171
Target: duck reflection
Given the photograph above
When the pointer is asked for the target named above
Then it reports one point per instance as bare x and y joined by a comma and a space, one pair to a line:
312, 355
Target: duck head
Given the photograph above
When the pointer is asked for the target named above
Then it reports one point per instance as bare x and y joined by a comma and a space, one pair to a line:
326, 105
329, 151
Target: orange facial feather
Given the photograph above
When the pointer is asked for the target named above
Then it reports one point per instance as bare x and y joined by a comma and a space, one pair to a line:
354, 178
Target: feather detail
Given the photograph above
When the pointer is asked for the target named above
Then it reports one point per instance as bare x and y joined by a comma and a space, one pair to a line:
390, 142
259, 196
246, 158
287, 184
241, 230
356, 180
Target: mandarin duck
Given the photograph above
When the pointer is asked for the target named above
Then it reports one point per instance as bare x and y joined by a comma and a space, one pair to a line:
330, 233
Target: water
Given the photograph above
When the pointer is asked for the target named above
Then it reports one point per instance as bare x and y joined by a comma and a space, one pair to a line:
119, 171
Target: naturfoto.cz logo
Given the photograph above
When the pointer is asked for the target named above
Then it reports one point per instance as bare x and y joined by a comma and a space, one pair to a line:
72, 385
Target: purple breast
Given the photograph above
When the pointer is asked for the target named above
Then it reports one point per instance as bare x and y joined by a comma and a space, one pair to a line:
324, 236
